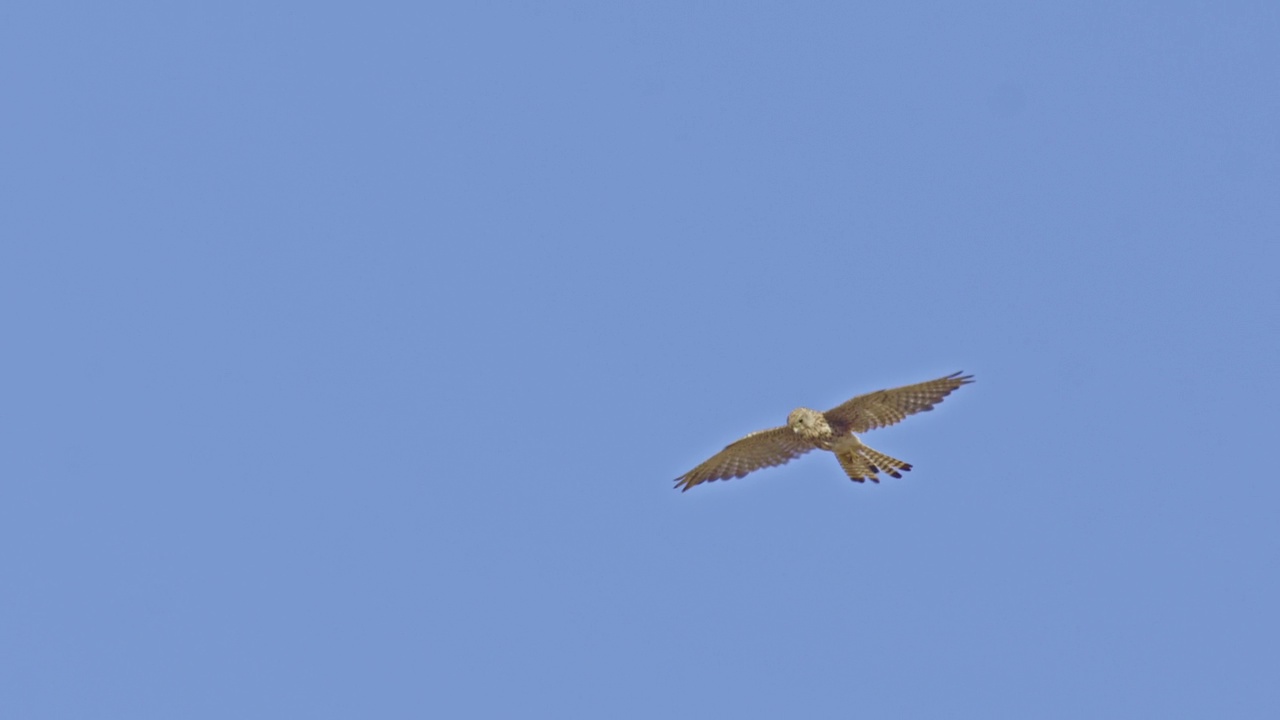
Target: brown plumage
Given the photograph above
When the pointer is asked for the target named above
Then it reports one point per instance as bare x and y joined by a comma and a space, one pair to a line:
832, 431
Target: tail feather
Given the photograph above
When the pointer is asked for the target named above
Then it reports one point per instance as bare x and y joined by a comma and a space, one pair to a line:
884, 463
861, 463
857, 467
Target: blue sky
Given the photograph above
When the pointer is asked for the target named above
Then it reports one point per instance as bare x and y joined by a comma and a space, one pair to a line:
351, 351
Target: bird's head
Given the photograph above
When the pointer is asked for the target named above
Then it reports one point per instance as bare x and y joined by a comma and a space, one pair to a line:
806, 422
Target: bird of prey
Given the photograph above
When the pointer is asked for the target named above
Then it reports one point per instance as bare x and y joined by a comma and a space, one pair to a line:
832, 430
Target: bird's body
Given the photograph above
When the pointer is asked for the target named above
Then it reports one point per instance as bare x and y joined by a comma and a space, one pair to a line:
833, 431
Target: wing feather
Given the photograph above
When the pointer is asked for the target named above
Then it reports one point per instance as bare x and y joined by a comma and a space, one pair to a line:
765, 448
886, 407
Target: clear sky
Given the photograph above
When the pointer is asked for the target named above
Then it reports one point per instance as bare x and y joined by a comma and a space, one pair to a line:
350, 352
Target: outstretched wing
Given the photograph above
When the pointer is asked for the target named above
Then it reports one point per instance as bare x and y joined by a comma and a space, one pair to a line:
757, 450
886, 407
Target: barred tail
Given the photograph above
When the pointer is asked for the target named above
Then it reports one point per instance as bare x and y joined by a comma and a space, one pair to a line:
862, 463
886, 464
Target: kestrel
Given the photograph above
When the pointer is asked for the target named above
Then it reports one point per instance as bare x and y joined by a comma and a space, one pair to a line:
832, 430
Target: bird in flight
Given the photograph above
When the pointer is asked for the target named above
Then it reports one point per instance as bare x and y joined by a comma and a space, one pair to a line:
833, 431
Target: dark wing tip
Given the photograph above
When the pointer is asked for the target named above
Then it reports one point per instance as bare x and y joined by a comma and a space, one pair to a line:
960, 377
687, 481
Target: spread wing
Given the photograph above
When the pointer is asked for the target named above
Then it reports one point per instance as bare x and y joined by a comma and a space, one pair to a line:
757, 450
886, 407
